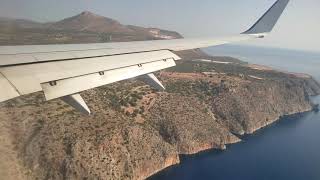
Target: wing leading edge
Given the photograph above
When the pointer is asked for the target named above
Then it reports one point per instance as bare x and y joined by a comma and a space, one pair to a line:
62, 71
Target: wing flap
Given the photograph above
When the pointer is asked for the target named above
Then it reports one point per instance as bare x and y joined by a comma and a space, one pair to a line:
74, 85
29, 77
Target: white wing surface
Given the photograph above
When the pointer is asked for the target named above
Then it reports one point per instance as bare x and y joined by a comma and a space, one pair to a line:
62, 71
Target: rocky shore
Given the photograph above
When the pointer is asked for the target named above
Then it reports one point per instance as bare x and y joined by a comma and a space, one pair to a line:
135, 132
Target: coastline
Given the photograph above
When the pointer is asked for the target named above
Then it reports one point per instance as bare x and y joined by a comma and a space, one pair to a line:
308, 107
226, 146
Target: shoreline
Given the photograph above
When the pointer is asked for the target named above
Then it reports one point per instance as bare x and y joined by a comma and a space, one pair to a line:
205, 148
228, 145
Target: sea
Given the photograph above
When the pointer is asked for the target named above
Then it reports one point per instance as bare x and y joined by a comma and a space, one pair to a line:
286, 150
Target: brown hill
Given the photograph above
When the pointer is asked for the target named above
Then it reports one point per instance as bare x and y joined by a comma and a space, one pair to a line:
85, 27
87, 21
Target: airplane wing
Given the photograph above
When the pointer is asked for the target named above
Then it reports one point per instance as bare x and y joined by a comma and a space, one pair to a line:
62, 71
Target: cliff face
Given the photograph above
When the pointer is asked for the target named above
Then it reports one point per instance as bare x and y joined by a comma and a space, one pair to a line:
135, 132
250, 106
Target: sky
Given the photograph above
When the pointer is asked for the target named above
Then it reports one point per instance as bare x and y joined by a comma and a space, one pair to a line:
298, 28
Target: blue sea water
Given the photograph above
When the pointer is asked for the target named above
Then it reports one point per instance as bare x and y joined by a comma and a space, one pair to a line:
286, 150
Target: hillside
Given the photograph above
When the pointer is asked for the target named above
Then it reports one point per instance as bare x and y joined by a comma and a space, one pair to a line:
87, 21
85, 27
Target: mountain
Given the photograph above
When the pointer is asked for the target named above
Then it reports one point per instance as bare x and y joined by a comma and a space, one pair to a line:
85, 27
87, 21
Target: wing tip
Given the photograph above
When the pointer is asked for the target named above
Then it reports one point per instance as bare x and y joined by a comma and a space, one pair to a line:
266, 23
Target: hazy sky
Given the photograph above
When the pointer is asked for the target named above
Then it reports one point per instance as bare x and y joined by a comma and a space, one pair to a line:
298, 28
